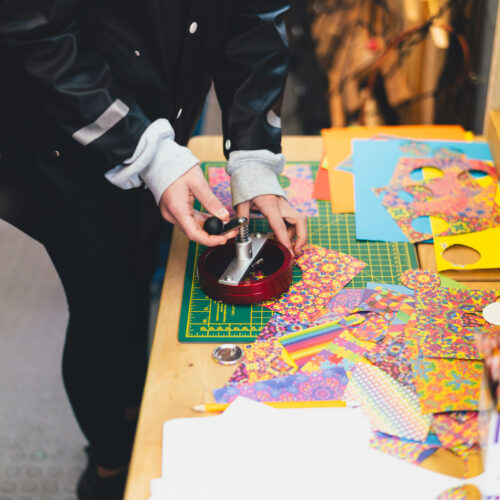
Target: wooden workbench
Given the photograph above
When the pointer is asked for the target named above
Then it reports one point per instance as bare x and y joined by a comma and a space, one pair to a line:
182, 375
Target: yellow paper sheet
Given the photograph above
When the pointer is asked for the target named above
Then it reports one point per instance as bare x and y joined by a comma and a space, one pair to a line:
486, 242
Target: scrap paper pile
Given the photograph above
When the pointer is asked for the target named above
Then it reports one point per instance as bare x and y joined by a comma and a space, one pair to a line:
416, 191
407, 355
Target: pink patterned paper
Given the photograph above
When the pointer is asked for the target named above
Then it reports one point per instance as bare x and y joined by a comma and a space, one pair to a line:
299, 190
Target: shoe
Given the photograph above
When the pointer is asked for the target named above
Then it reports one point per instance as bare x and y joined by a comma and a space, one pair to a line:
93, 487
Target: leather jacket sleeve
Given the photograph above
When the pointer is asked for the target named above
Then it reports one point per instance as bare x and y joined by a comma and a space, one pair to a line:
250, 76
41, 50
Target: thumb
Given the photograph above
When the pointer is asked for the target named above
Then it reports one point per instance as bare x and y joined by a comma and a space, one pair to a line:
207, 198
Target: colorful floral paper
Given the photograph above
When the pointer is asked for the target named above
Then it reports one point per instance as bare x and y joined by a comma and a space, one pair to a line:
320, 385
262, 361
452, 432
340, 305
389, 406
394, 358
447, 320
298, 191
420, 280
455, 197
410, 451
324, 274
280, 325
326, 359
447, 384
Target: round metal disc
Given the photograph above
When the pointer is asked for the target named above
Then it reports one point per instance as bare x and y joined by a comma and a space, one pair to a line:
227, 354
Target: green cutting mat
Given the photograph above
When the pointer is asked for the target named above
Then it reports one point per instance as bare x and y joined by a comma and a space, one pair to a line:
206, 320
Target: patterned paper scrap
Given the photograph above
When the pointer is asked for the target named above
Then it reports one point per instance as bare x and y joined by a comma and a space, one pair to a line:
262, 361
326, 359
374, 328
319, 385
465, 492
447, 319
452, 433
324, 273
298, 188
410, 451
393, 357
341, 305
279, 325
447, 384
304, 344
389, 406
464, 203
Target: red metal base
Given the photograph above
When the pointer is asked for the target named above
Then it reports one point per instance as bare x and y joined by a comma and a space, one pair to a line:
277, 269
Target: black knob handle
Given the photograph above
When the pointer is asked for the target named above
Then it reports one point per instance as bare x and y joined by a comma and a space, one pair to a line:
213, 225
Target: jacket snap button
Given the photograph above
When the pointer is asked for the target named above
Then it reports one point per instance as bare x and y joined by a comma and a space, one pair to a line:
137, 53
57, 154
179, 113
228, 144
193, 28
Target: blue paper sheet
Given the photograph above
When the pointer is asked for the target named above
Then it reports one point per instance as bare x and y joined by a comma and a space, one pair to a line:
374, 162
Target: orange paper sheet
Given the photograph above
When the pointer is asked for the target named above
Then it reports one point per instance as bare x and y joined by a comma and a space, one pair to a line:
337, 146
321, 189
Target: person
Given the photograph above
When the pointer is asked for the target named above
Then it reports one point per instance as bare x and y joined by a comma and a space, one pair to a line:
97, 102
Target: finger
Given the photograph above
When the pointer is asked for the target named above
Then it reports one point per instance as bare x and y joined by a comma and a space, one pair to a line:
194, 232
243, 209
207, 198
201, 217
301, 230
277, 224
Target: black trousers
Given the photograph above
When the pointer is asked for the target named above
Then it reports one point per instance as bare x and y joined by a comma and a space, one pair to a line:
103, 243
105, 352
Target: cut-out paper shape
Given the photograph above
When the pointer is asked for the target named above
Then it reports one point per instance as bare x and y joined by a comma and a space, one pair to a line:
484, 243
452, 432
262, 361
321, 189
304, 344
447, 384
389, 406
456, 196
321, 385
298, 191
409, 451
324, 273
374, 164
337, 146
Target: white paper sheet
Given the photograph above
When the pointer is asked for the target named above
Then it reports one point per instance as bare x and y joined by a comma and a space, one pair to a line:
253, 451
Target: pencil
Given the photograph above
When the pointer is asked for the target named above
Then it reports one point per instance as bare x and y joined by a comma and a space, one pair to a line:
217, 407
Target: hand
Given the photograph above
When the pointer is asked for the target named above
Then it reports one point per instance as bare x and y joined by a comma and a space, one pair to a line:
176, 206
284, 220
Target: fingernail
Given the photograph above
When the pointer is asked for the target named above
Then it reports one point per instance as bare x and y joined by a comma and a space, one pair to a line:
222, 213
